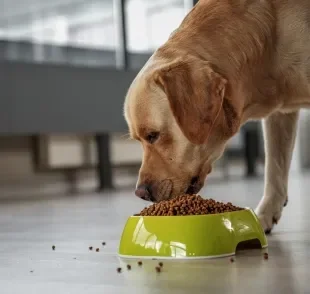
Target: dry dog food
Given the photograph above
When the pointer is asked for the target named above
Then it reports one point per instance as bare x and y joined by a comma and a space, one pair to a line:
103, 243
158, 269
139, 263
129, 267
266, 256
160, 264
119, 270
90, 248
97, 250
53, 247
187, 205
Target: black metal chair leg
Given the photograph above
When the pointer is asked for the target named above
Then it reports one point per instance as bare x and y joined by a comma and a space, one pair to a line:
251, 145
104, 162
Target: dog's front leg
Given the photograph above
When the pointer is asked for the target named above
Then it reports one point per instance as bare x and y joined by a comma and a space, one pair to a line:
279, 136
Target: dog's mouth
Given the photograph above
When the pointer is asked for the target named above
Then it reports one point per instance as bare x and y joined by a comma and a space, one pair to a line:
194, 186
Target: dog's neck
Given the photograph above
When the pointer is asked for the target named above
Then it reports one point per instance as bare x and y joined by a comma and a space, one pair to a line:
236, 37
232, 35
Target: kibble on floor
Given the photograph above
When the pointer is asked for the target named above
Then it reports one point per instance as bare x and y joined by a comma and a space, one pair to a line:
188, 205
119, 270
158, 269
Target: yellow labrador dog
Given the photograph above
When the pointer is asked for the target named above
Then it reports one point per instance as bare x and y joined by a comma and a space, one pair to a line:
230, 61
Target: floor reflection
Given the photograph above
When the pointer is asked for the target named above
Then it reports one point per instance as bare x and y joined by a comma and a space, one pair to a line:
201, 276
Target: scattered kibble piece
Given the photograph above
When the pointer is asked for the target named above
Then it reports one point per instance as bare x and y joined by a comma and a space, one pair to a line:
129, 267
90, 248
188, 205
74, 257
232, 259
104, 243
97, 250
160, 264
139, 263
266, 256
119, 269
53, 247
31, 271
158, 269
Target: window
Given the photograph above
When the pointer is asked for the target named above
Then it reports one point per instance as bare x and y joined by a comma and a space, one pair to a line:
86, 23
149, 23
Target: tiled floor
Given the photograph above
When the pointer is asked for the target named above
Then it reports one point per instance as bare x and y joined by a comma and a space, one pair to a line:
29, 229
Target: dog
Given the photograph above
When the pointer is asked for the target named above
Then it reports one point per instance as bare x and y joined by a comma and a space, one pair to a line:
228, 62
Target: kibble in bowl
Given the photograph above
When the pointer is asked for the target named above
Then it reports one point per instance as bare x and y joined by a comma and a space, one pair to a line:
185, 205
189, 227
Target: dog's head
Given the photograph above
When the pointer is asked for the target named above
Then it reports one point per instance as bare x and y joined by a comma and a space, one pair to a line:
183, 115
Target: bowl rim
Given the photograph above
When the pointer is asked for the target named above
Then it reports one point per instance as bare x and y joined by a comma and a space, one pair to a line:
156, 258
199, 215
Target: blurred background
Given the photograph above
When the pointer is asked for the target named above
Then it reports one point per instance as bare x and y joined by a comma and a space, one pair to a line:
65, 69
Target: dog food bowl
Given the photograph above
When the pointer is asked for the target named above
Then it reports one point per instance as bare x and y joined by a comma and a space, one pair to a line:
189, 237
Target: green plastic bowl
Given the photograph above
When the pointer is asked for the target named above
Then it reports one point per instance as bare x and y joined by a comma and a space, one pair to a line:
189, 237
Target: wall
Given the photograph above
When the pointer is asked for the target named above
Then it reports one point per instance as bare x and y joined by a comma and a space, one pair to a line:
18, 178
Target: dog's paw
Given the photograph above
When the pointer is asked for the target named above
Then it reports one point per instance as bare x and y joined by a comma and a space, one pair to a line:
269, 213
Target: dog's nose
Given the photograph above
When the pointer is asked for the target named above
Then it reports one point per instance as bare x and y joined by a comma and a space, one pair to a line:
144, 192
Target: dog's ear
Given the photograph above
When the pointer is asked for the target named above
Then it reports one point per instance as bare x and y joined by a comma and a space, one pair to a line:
196, 94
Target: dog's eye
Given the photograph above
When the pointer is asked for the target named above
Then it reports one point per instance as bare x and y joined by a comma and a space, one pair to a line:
152, 137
